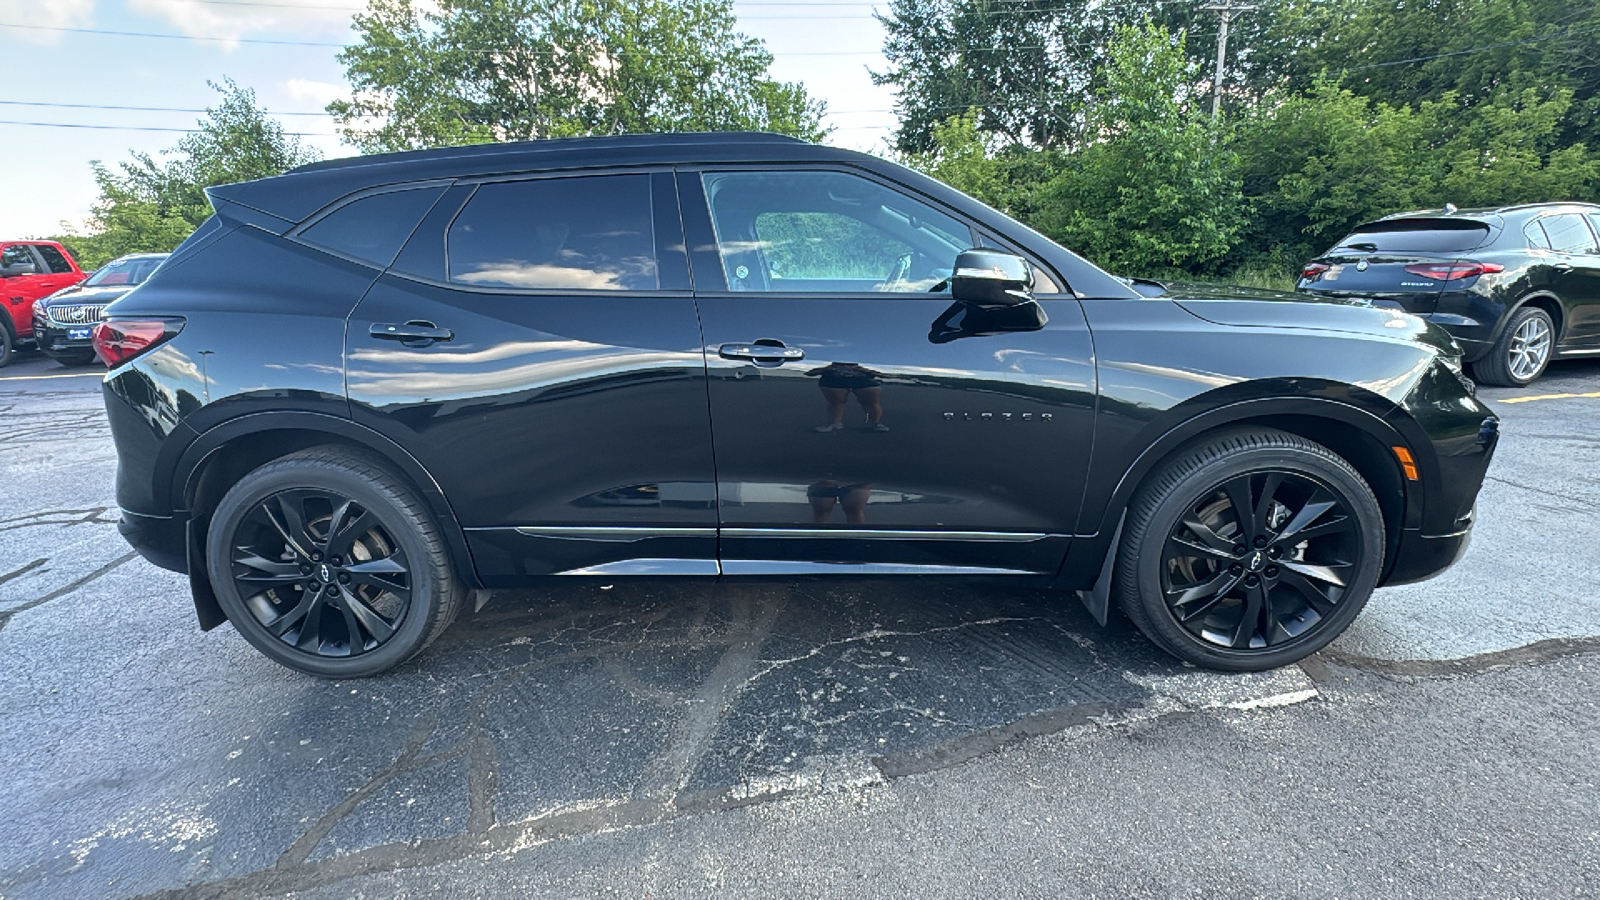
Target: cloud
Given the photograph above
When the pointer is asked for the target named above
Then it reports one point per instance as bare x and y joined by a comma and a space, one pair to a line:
54, 14
316, 93
293, 17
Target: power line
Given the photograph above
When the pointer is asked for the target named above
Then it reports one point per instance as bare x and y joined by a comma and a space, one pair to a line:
136, 108
147, 128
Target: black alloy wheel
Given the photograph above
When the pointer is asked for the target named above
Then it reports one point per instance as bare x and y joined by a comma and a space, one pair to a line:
319, 572
1251, 552
327, 563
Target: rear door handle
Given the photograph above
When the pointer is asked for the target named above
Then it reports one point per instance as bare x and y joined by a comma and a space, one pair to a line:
1563, 268
761, 353
415, 333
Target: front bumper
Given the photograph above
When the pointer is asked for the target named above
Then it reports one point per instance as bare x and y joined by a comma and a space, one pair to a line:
64, 341
1420, 556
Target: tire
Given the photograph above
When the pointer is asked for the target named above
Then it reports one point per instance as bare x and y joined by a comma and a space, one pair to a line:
7, 343
340, 601
1508, 363
1246, 595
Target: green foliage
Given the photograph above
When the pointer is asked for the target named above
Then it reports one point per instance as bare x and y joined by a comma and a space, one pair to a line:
472, 71
1153, 191
1337, 112
151, 205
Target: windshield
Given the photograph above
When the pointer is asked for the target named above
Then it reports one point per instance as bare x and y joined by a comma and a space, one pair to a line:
125, 271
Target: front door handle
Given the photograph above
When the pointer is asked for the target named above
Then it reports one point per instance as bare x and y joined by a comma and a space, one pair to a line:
772, 353
415, 333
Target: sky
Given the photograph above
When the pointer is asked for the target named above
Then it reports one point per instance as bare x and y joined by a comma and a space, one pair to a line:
828, 45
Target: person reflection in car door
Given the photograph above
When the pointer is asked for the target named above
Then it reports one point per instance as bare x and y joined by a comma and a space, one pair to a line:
841, 379
824, 495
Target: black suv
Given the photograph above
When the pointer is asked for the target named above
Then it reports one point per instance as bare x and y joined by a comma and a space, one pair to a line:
368, 391
1517, 286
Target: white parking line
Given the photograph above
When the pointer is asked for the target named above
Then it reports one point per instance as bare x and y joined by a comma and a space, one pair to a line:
45, 377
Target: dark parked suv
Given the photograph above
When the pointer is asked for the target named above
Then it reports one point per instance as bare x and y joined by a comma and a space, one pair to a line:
1517, 286
64, 321
368, 391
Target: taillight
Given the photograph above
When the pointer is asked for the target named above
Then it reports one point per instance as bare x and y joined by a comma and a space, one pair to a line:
1453, 271
1314, 271
118, 340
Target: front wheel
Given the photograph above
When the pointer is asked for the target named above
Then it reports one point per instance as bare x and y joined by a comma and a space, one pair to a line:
1250, 552
6, 344
329, 564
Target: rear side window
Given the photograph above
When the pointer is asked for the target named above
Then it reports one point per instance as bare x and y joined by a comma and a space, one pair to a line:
1568, 233
1536, 236
591, 232
54, 259
374, 227
1416, 236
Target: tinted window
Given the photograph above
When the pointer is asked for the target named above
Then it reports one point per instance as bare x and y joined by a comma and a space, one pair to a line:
17, 255
828, 231
1535, 234
54, 258
586, 233
1416, 236
125, 271
1568, 233
373, 228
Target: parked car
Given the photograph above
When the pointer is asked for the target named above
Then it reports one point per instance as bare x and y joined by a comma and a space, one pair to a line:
29, 270
1517, 286
64, 321
366, 391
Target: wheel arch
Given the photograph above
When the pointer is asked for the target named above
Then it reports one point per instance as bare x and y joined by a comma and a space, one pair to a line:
219, 457
1360, 436
1541, 299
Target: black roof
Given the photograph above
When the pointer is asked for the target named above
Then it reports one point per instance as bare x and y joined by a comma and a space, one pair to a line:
299, 193
1480, 212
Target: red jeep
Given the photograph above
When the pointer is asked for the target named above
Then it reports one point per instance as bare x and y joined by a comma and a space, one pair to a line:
30, 270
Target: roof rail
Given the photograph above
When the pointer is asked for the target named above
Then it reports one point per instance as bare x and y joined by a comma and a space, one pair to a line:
510, 148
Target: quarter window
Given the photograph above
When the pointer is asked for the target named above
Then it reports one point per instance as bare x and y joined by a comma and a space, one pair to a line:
373, 228
1569, 233
829, 232
54, 259
590, 232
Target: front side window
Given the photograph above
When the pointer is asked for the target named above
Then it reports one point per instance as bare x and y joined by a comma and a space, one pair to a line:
591, 232
1568, 233
829, 232
54, 259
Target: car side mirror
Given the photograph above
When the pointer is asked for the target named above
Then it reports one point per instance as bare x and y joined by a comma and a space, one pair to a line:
989, 278
16, 269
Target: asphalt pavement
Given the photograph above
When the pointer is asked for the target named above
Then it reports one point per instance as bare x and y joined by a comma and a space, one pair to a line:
872, 739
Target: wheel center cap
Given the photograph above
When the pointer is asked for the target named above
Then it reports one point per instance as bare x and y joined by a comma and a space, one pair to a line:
325, 573
1257, 561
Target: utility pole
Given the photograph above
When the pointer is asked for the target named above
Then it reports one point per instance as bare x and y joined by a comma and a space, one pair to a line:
1225, 12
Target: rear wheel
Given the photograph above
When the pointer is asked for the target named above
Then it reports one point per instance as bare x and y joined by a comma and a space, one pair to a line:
1251, 552
328, 563
1522, 352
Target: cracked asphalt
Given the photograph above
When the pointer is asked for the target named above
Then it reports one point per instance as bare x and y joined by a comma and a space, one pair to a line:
872, 739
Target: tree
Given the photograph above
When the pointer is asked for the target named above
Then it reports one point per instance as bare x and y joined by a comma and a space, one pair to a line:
472, 71
1154, 191
152, 205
